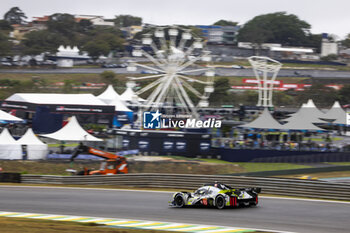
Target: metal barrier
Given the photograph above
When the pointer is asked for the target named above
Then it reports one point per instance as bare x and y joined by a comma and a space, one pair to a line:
10, 177
278, 186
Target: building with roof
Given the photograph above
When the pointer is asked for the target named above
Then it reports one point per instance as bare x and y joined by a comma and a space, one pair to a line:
215, 34
48, 112
96, 20
66, 56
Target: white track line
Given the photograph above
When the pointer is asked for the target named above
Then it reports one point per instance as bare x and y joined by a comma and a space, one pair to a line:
134, 225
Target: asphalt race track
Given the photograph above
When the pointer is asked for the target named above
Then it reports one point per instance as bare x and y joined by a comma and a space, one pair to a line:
274, 214
319, 74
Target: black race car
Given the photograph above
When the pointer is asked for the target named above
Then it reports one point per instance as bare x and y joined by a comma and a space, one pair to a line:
218, 195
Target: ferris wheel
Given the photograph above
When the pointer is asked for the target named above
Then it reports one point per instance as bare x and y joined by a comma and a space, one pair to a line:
172, 56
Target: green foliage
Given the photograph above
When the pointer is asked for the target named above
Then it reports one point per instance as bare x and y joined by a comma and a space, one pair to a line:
282, 99
5, 45
249, 98
96, 48
114, 42
95, 127
276, 27
5, 26
108, 76
314, 41
220, 94
223, 22
327, 98
9, 82
15, 16
127, 20
63, 30
63, 24
36, 42
346, 42
68, 86
84, 25
330, 57
343, 93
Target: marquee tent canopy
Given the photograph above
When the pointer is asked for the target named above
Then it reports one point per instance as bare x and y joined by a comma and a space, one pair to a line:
308, 113
108, 95
72, 99
72, 131
129, 95
336, 114
6, 117
9, 147
119, 105
265, 122
36, 149
301, 125
111, 97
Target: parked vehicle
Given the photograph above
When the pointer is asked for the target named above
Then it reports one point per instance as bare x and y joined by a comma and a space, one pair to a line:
149, 72
113, 65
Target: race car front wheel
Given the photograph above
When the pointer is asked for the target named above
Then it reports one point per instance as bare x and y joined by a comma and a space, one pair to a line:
220, 202
179, 201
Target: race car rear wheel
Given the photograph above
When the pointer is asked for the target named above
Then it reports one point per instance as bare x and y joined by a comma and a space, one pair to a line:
179, 201
255, 202
220, 202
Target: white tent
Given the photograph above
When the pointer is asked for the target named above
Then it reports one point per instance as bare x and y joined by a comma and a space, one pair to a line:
307, 113
72, 131
109, 95
9, 148
4, 116
264, 121
305, 118
119, 105
130, 96
73, 99
299, 124
36, 149
336, 114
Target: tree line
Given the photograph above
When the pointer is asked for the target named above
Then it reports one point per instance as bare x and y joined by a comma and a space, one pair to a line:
225, 95
63, 29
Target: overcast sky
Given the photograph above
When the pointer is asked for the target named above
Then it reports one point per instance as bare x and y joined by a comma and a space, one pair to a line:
324, 15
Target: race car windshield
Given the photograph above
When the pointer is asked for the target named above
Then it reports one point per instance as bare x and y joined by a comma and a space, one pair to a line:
201, 191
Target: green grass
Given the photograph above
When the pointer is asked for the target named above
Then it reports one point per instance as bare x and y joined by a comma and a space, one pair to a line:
323, 139
218, 161
178, 157
248, 167
340, 163
258, 167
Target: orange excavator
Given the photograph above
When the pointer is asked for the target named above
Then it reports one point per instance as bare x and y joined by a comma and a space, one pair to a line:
114, 164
